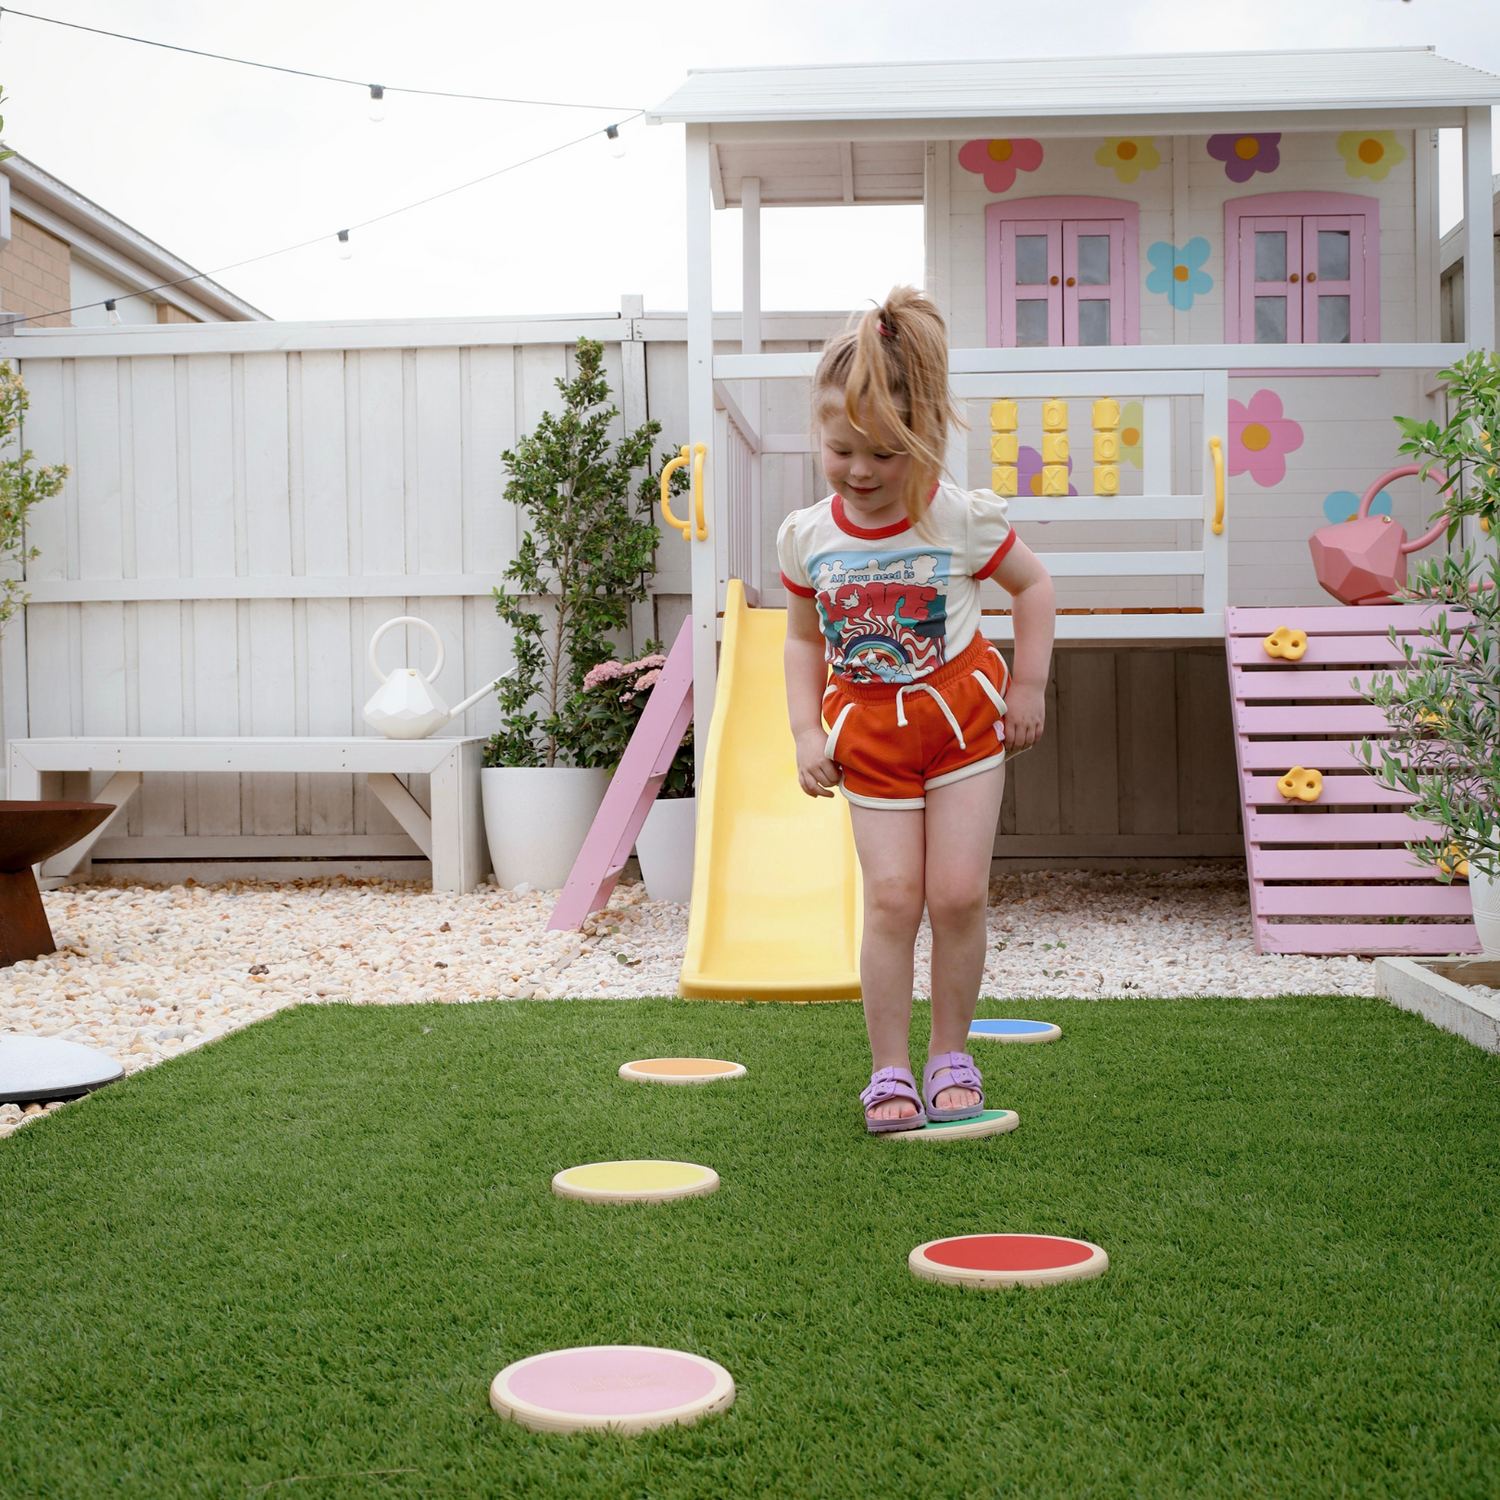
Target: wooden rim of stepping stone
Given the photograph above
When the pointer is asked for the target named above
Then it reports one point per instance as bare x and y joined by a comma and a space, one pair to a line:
635, 1181
991, 1122
1001, 1260
987, 1030
624, 1388
681, 1070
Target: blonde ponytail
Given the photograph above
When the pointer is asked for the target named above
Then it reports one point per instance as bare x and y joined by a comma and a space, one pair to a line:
891, 369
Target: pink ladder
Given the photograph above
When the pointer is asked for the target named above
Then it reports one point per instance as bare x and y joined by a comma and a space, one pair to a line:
1342, 856
632, 789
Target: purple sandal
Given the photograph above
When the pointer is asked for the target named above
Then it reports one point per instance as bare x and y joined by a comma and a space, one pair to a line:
887, 1084
962, 1074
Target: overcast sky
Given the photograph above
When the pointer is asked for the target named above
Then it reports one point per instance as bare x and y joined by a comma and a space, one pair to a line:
219, 163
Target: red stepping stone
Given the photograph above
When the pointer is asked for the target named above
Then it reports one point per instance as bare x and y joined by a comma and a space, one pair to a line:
998, 1260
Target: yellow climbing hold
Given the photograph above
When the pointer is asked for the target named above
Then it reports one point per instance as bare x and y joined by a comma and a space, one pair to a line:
1286, 642
1301, 785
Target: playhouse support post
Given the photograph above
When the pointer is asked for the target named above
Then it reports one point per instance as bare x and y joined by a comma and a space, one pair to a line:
750, 390
700, 392
1215, 548
1479, 232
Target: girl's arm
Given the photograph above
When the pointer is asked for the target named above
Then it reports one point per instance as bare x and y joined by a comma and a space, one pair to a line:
806, 678
1033, 606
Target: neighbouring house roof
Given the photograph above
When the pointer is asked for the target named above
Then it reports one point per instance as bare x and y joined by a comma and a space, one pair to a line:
124, 253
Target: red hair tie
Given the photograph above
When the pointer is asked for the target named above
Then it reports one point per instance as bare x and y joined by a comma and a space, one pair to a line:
885, 332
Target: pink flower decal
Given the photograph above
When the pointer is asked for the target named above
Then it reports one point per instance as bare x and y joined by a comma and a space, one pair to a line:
998, 161
1245, 155
1260, 438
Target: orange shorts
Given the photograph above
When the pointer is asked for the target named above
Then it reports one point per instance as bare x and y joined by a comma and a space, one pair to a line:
894, 743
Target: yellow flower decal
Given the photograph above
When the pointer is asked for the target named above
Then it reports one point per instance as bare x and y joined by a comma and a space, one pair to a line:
1129, 155
1132, 421
1371, 153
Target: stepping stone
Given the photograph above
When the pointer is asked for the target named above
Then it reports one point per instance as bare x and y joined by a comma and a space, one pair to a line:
624, 1388
681, 1070
991, 1122
999, 1260
635, 1181
38, 1069
1013, 1031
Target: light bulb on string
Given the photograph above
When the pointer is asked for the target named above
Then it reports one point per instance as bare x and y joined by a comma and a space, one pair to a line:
346, 250
616, 141
114, 317
377, 103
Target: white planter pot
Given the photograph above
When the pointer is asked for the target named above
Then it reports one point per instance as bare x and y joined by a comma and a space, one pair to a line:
1485, 895
664, 847
536, 819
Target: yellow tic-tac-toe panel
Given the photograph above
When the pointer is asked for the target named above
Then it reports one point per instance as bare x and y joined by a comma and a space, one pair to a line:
1106, 447
1054, 416
1003, 479
1003, 416
1106, 414
1005, 448
1054, 479
1106, 479
1054, 447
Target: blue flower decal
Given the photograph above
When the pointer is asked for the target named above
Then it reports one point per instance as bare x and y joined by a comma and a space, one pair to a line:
1342, 504
1179, 273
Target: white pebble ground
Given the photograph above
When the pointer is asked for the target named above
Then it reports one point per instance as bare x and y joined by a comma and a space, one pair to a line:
147, 973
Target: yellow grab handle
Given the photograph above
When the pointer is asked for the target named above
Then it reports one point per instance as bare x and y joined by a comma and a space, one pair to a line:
666, 491
698, 453
1216, 447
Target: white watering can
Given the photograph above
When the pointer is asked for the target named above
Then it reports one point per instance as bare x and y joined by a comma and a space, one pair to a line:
407, 706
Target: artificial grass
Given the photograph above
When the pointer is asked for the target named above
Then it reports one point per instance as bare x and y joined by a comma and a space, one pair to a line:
307, 1249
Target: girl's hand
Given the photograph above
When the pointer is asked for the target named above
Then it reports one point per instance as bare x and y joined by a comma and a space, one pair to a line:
1025, 714
815, 772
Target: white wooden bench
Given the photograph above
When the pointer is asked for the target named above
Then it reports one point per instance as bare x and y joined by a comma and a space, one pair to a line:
452, 837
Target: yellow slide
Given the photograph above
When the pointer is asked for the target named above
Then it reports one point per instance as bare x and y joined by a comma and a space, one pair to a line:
776, 911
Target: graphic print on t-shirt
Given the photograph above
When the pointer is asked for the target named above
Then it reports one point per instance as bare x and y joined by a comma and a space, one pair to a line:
884, 613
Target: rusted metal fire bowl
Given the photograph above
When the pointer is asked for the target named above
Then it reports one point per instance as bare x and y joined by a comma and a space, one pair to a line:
29, 833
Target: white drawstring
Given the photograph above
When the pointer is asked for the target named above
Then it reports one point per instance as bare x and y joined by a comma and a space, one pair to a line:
901, 692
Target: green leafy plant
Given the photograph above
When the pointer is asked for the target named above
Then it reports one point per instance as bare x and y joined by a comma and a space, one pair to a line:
23, 484
583, 562
1444, 707
609, 707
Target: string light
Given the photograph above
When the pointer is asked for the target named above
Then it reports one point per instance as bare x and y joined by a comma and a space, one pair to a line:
616, 141
109, 307
247, 62
346, 250
377, 104
250, 260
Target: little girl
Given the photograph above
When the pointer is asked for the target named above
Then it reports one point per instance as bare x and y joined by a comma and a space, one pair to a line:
916, 719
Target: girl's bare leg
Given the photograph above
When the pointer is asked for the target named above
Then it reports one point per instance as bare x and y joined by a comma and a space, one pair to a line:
890, 845
959, 843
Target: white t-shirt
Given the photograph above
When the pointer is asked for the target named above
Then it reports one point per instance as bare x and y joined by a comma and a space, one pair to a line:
894, 606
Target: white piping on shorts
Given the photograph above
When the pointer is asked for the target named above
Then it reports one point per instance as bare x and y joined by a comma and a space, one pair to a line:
912, 687
833, 734
988, 764
892, 804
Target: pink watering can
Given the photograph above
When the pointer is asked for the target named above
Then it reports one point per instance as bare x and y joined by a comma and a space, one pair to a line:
1363, 560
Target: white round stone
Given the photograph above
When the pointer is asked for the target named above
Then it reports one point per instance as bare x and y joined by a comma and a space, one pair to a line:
43, 1068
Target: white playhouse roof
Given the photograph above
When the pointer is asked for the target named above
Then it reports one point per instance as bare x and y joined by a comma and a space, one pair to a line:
853, 133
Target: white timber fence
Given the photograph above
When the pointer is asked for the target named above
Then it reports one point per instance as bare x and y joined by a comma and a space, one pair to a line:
249, 501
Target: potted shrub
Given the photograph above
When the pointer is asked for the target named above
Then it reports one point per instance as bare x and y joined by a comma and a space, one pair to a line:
1445, 706
583, 562
614, 697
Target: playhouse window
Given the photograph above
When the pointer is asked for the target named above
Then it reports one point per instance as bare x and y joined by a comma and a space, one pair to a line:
1055, 279
1302, 278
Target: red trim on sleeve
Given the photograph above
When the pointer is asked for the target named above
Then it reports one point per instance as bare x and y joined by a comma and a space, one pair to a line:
999, 557
797, 589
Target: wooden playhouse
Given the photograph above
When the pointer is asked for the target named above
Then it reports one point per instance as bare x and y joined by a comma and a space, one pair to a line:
1240, 250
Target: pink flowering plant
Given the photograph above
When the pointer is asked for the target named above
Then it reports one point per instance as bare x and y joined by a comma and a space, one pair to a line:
609, 706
